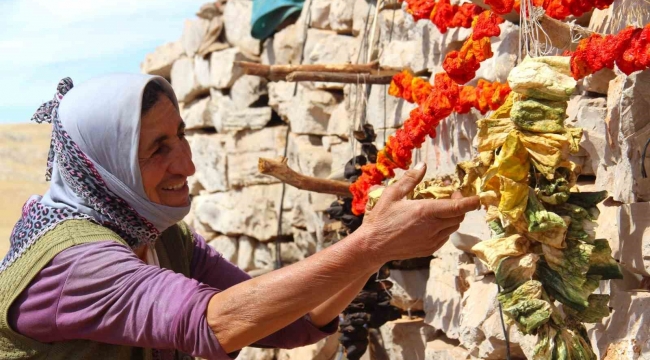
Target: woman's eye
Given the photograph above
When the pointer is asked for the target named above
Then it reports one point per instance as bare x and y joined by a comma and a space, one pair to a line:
182, 135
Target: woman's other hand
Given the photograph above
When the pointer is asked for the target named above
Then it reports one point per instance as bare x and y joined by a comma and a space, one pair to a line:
397, 228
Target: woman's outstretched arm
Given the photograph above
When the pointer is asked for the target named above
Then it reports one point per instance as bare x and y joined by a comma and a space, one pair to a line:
396, 229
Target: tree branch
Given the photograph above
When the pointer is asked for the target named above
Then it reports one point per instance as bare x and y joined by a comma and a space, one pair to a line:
279, 169
339, 77
280, 72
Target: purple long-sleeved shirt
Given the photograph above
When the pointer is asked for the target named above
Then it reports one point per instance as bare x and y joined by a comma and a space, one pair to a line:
103, 292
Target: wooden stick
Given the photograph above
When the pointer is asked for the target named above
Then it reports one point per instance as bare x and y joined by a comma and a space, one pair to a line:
339, 77
279, 169
279, 72
560, 33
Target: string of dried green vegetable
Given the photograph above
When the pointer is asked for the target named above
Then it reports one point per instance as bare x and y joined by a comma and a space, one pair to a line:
544, 252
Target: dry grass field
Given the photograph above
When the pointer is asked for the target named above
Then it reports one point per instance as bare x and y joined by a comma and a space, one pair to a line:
23, 155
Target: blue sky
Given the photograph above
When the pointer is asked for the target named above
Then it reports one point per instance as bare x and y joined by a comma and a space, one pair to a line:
43, 41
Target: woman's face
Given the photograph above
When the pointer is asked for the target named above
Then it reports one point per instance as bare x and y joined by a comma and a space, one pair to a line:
165, 155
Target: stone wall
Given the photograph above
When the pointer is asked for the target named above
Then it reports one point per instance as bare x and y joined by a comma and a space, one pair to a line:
234, 119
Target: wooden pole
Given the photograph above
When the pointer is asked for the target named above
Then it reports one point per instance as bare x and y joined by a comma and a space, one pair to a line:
561, 34
339, 77
280, 72
279, 169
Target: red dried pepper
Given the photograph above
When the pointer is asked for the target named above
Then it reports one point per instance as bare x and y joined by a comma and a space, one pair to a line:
462, 65
629, 50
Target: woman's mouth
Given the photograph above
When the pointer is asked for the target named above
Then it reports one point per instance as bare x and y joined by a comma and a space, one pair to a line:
175, 187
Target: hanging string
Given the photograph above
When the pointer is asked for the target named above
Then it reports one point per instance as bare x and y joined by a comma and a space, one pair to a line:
278, 242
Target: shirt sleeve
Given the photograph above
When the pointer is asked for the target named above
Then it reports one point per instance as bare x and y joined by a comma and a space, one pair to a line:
103, 292
210, 267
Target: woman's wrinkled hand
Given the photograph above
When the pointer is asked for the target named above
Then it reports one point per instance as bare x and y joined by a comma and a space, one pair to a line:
397, 228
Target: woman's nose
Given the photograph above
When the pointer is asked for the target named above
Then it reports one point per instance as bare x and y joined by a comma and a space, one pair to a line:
182, 163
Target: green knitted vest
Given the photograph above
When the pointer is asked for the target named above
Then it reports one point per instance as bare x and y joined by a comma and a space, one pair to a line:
174, 250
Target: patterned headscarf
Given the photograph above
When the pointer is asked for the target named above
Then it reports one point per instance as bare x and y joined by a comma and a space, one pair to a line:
93, 164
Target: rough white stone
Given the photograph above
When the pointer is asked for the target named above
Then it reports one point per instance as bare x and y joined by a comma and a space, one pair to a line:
599, 82
250, 211
193, 33
634, 252
325, 349
363, 11
202, 71
452, 145
447, 283
383, 110
320, 14
228, 117
185, 82
341, 15
627, 323
223, 72
247, 148
250, 353
306, 241
208, 11
285, 46
161, 60
308, 112
395, 25
409, 288
209, 42
227, 246
196, 114
290, 252
589, 114
327, 47
341, 154
307, 156
243, 171
402, 339
237, 15
472, 230
264, 256
445, 350
420, 49
245, 253
269, 138
246, 118
340, 122
209, 156
400, 54
248, 90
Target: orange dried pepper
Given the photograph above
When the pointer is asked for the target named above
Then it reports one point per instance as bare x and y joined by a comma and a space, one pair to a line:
485, 25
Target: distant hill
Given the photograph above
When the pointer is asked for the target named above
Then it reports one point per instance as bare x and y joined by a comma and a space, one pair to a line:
23, 156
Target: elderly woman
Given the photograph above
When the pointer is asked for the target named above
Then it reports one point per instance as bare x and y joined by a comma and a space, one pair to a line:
102, 267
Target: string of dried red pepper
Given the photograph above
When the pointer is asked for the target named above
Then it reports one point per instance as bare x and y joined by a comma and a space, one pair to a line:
435, 102
629, 50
